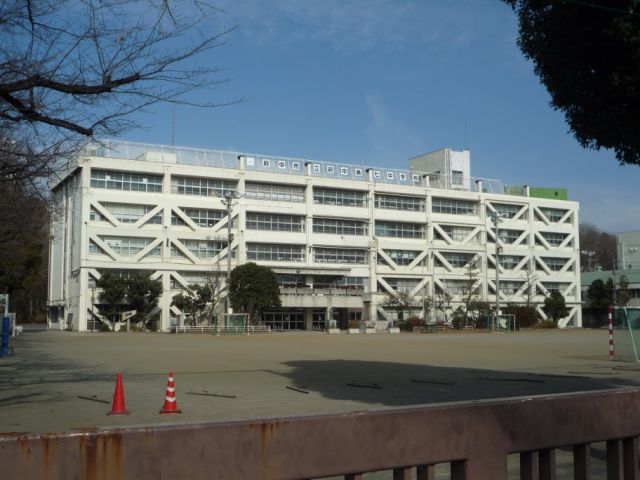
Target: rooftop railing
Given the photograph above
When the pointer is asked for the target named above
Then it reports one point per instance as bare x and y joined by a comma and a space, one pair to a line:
293, 166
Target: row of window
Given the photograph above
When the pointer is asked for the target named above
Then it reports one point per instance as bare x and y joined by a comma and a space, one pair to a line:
453, 286
274, 192
344, 198
131, 246
204, 218
296, 253
457, 233
198, 186
132, 182
275, 223
125, 246
205, 187
275, 252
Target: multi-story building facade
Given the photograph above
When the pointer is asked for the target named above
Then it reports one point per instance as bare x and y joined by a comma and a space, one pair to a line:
343, 239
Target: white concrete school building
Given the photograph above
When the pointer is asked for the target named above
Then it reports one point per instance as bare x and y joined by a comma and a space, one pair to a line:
343, 239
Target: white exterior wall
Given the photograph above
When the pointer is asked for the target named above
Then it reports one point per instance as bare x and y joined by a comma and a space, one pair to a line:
628, 246
445, 162
72, 266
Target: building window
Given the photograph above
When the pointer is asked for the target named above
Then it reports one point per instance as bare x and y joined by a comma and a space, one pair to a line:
96, 216
400, 257
402, 284
510, 287
200, 248
176, 221
555, 264
129, 213
553, 214
455, 232
555, 286
509, 236
94, 249
343, 198
279, 321
457, 259
206, 187
275, 223
338, 226
274, 192
275, 252
509, 262
554, 238
130, 246
339, 255
126, 274
397, 202
133, 182
198, 278
203, 217
457, 287
453, 206
506, 210
457, 177
355, 282
399, 229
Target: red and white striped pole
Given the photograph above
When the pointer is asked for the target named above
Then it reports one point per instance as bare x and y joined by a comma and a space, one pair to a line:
610, 321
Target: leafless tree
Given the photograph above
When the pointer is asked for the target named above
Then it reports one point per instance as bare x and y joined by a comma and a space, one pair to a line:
443, 302
74, 70
400, 301
77, 69
597, 248
469, 291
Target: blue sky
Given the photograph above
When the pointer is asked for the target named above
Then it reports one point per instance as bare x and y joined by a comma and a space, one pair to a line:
379, 81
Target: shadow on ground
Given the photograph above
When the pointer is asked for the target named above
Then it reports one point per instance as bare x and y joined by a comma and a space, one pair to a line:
36, 375
397, 384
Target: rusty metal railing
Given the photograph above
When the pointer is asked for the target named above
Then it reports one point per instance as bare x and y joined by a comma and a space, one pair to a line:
475, 437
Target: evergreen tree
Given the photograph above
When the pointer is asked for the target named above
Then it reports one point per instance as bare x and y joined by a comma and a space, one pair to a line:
622, 293
555, 306
252, 289
587, 54
197, 301
142, 294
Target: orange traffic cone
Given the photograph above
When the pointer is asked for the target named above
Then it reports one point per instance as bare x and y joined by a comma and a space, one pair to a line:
170, 404
118, 408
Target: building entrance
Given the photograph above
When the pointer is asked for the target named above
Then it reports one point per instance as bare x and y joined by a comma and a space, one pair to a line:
280, 321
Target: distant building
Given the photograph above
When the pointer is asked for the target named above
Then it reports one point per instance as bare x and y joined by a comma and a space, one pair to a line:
627, 264
342, 238
628, 250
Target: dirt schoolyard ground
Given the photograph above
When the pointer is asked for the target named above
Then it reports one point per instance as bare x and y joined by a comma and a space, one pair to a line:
251, 376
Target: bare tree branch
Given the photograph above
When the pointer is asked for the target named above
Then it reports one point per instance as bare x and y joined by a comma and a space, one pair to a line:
72, 69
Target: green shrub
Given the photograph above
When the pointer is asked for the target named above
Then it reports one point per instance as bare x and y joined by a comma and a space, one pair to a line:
526, 317
104, 327
408, 324
547, 324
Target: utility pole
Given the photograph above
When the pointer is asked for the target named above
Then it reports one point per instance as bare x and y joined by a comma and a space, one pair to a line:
613, 293
496, 219
93, 309
229, 199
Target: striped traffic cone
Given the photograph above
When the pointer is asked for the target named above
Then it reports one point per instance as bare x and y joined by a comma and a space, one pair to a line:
170, 404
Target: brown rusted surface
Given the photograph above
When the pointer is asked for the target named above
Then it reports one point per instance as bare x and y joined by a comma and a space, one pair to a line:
425, 472
582, 462
476, 437
630, 458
